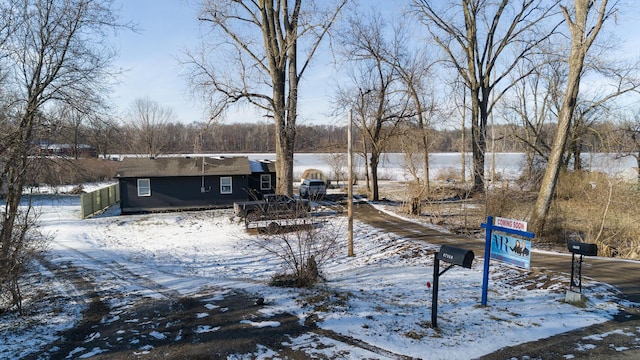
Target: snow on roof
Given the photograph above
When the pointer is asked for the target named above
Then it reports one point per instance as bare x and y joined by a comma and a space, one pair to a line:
261, 166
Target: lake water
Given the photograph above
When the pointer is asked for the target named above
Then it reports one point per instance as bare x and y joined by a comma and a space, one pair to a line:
508, 166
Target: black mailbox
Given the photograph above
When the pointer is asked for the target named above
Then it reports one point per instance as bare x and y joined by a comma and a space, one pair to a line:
456, 256
582, 248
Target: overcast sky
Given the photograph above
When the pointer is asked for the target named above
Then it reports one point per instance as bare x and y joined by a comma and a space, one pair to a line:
167, 27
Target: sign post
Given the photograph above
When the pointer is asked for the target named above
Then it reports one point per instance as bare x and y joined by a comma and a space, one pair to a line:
508, 249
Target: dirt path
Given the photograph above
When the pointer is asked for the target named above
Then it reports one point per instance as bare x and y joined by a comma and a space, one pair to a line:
625, 275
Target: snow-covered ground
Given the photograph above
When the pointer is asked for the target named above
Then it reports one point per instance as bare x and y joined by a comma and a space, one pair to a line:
378, 297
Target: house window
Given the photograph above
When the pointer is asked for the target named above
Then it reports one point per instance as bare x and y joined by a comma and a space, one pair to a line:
225, 185
144, 187
265, 182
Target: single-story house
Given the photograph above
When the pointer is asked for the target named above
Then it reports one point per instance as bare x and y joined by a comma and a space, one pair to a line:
181, 183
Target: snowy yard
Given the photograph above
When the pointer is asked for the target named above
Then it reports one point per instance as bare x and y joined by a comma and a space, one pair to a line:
378, 297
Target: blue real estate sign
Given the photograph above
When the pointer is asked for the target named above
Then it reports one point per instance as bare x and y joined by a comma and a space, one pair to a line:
511, 250
505, 248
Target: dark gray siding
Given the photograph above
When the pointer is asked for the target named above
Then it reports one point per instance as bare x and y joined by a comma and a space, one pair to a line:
254, 185
176, 193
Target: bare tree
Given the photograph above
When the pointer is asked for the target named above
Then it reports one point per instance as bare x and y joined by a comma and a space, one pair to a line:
103, 134
147, 123
629, 142
54, 52
616, 80
414, 68
584, 26
459, 99
382, 102
531, 106
484, 41
338, 164
585, 116
8, 25
261, 63
360, 105
537, 100
70, 122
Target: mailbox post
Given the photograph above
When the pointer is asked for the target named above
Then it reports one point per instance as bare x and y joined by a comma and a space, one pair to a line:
581, 249
453, 256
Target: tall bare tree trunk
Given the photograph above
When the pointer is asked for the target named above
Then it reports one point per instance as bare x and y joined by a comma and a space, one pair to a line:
575, 141
367, 177
261, 42
478, 140
285, 140
581, 40
638, 166
463, 140
424, 132
375, 158
284, 157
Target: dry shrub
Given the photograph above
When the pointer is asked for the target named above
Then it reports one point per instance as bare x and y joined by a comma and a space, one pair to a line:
412, 192
595, 208
64, 171
507, 202
579, 184
302, 249
449, 174
447, 204
20, 247
530, 180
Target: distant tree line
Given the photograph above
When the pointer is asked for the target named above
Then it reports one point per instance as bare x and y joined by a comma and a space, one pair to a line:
179, 138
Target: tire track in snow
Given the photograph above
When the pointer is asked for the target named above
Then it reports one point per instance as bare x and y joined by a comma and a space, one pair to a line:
121, 272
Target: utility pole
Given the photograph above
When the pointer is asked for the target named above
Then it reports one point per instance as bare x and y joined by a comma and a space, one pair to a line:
350, 185
493, 144
463, 148
493, 154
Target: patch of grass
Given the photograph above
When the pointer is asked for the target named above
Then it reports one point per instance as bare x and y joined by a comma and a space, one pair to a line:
325, 301
412, 334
